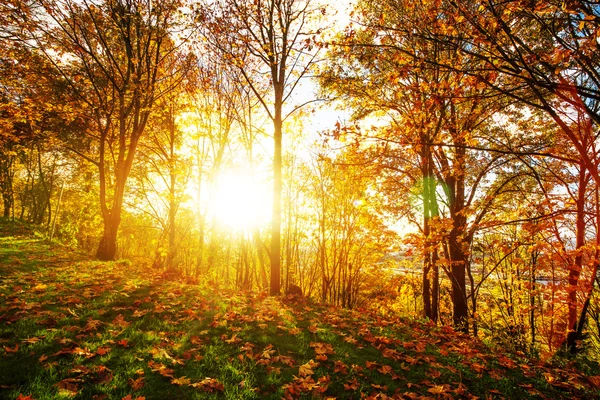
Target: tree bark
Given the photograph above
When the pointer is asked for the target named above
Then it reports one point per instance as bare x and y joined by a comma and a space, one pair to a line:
575, 269
107, 249
275, 286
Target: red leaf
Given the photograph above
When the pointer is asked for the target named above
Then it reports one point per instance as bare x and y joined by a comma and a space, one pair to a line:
11, 350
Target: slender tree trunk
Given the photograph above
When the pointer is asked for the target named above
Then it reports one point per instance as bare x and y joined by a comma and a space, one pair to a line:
426, 176
532, 277
172, 204
275, 286
261, 259
435, 290
575, 269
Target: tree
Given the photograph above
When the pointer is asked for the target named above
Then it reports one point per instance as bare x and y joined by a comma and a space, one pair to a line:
114, 55
272, 43
439, 122
543, 54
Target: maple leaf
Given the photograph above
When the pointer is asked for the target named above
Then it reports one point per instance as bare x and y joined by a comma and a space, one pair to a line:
91, 325
350, 340
386, 369
411, 395
209, 385
21, 397
80, 369
43, 358
307, 369
306, 384
352, 385
181, 381
32, 340
295, 331
438, 389
321, 350
11, 350
433, 373
478, 368
68, 387
411, 360
268, 351
233, 339
103, 350
289, 361
340, 367
273, 370
78, 351
161, 369
392, 354
40, 287
120, 321
102, 374
380, 387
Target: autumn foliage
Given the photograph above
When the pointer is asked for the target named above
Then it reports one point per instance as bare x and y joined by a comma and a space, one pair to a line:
433, 160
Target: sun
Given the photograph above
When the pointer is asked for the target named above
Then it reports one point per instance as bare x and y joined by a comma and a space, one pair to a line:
240, 202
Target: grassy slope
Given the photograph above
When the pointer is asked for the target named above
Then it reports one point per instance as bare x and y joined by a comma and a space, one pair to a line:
83, 329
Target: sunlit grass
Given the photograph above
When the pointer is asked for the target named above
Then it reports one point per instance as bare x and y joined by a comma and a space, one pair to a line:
89, 329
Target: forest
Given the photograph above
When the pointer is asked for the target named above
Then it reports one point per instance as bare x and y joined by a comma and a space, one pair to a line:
433, 160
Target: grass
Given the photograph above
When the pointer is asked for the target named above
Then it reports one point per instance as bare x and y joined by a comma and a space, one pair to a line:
74, 328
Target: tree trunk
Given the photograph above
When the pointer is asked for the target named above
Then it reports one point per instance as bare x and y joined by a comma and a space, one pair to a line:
458, 280
575, 269
107, 249
172, 204
275, 287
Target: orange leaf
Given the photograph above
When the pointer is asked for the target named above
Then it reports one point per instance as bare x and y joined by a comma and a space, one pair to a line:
438, 389
103, 350
385, 369
181, 381
340, 367
136, 384
307, 369
352, 385
11, 350
68, 387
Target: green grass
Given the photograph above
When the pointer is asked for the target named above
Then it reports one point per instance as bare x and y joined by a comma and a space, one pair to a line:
73, 328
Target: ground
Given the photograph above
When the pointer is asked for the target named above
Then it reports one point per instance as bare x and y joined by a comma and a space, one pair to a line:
75, 328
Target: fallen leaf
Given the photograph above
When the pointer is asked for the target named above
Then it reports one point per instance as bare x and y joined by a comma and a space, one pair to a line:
11, 350
209, 385
103, 350
438, 389
40, 287
68, 387
340, 367
307, 369
181, 381
102, 374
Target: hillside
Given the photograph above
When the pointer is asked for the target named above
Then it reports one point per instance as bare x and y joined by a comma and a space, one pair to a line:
74, 328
